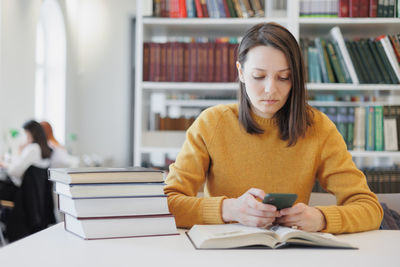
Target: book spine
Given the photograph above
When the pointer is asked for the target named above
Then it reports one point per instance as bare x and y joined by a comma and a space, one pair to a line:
238, 10
342, 122
390, 54
190, 8
232, 10
350, 128
335, 63
146, 61
363, 8
354, 8
373, 8
318, 45
344, 8
396, 46
199, 9
358, 63
377, 65
379, 142
226, 8
369, 129
359, 129
342, 64
367, 61
337, 35
386, 63
327, 61
389, 129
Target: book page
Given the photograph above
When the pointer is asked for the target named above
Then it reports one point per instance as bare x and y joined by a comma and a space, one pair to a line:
230, 235
296, 236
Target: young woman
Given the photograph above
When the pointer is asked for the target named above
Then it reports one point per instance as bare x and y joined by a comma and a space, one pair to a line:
60, 158
34, 152
271, 142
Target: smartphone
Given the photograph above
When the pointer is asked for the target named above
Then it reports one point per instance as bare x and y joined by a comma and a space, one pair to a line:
280, 200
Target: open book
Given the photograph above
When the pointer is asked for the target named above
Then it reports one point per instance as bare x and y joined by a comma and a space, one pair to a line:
237, 235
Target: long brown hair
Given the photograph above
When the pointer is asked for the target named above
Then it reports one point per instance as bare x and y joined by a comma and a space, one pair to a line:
39, 137
295, 116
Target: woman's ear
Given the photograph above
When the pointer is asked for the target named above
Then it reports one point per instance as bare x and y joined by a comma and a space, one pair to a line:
240, 71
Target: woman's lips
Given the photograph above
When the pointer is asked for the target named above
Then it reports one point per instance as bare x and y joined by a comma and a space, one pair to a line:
269, 101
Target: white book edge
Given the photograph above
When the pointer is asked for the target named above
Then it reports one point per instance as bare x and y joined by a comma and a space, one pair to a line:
337, 35
390, 55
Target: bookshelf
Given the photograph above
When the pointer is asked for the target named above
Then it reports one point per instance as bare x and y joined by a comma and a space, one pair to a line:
148, 142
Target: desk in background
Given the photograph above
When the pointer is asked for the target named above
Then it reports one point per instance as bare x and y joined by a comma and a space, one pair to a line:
56, 247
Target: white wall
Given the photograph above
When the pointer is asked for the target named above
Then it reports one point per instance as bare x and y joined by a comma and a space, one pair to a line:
98, 78
102, 78
17, 63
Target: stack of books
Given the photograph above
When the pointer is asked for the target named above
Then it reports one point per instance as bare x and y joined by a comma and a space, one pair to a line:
113, 202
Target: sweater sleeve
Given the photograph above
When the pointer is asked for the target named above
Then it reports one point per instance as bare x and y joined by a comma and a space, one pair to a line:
29, 155
357, 207
188, 174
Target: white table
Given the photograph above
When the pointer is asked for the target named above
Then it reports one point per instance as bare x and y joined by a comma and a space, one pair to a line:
56, 247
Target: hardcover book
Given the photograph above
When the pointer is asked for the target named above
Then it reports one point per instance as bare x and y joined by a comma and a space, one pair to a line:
105, 175
224, 236
113, 206
134, 226
110, 190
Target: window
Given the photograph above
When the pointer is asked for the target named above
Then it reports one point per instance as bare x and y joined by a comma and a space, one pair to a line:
50, 92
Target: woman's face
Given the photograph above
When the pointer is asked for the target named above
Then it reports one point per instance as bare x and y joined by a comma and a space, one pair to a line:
29, 137
267, 79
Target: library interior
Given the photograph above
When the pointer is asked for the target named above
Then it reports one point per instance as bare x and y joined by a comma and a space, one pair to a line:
111, 117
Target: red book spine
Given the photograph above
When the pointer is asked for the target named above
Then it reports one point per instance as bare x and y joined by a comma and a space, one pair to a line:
225, 61
146, 61
164, 9
210, 62
174, 8
163, 62
343, 8
175, 62
202, 61
363, 8
199, 9
182, 9
396, 46
155, 55
186, 62
218, 62
354, 8
169, 65
232, 62
373, 8
192, 47
181, 63
205, 9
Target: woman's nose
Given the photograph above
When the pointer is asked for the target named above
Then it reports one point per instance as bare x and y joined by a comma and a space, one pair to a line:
269, 86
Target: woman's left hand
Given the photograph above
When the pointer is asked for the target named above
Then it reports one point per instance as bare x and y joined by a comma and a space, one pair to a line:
303, 217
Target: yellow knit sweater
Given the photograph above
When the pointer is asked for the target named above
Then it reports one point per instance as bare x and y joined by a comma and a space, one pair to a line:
220, 154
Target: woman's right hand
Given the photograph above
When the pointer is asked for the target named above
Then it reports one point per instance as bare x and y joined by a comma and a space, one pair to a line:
247, 210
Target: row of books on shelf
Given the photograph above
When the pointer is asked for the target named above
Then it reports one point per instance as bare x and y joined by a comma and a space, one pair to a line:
349, 8
198, 60
172, 124
372, 60
379, 179
113, 202
208, 8
371, 128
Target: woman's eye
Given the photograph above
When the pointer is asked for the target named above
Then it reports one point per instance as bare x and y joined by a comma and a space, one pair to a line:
258, 77
284, 78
